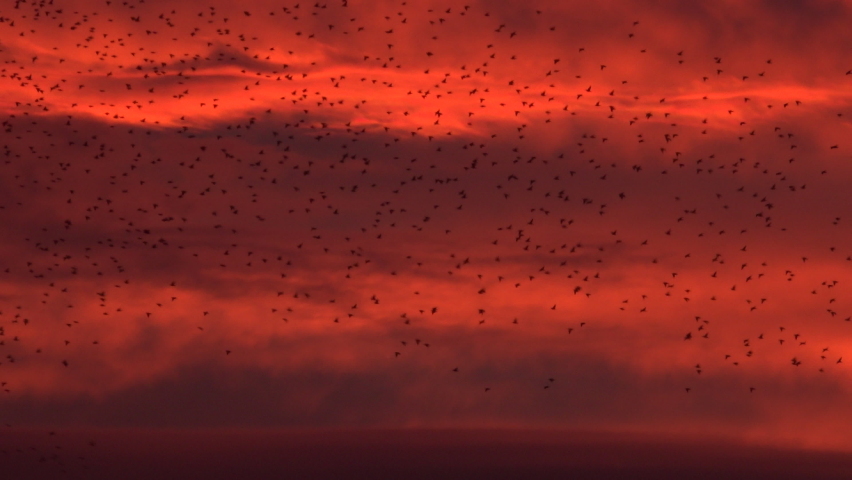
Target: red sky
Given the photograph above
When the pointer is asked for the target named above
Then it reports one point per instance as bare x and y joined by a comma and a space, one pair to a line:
301, 216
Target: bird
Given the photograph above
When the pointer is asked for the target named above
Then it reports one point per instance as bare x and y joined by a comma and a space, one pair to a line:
304, 184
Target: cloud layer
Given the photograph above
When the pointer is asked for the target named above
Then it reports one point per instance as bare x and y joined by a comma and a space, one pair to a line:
587, 215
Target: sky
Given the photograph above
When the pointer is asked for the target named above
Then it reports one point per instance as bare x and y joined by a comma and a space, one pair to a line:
593, 223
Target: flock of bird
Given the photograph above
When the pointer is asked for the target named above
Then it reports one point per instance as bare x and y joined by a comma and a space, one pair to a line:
230, 176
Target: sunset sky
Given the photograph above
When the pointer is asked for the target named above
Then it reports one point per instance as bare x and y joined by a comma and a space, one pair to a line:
614, 221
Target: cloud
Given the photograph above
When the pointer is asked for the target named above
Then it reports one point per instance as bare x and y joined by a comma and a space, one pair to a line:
208, 238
